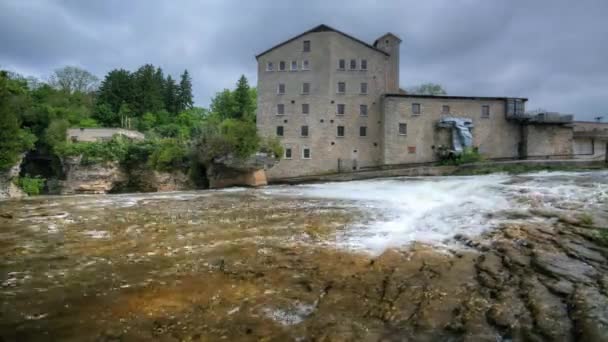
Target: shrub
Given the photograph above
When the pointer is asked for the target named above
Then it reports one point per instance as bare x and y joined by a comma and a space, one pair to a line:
168, 154
31, 186
95, 152
468, 155
273, 146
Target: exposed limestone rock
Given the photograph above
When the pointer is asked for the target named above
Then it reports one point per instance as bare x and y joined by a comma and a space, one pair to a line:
146, 180
90, 179
231, 171
8, 188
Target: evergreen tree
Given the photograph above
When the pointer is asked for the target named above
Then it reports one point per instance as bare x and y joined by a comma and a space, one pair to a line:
185, 100
242, 97
148, 96
116, 89
171, 93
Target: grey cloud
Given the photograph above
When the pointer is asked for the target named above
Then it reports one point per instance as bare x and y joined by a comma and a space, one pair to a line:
552, 52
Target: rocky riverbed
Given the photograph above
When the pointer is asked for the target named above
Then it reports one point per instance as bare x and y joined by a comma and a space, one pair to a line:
484, 258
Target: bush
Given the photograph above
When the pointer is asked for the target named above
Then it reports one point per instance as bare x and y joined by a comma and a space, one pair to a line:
168, 154
95, 152
273, 146
31, 186
468, 155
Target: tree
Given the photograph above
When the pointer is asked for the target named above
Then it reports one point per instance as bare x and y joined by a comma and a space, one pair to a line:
427, 89
171, 94
116, 89
147, 90
72, 79
223, 105
244, 106
185, 100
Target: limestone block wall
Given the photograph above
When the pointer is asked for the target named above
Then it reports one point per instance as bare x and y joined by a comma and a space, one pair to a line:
554, 141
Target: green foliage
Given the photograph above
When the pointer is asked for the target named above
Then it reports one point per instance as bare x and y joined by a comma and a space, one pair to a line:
238, 104
31, 185
185, 100
168, 154
273, 146
427, 89
72, 79
244, 105
223, 105
95, 152
467, 156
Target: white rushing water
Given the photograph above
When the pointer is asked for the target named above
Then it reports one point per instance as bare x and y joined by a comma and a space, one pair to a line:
433, 210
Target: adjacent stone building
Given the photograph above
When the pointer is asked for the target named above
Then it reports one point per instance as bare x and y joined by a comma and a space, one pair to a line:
334, 102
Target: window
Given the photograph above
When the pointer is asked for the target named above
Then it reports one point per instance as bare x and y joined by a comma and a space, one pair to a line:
364, 64
445, 109
269, 66
306, 46
281, 89
416, 108
402, 129
280, 109
305, 65
362, 131
340, 131
340, 108
341, 87
353, 64
305, 88
485, 111
305, 152
304, 131
363, 110
341, 64
305, 108
282, 66
280, 131
363, 88
294, 65
287, 152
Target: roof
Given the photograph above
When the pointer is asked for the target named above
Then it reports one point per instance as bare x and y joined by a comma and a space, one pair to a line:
387, 34
322, 28
446, 97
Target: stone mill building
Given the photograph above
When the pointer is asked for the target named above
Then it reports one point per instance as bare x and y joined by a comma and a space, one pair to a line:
336, 105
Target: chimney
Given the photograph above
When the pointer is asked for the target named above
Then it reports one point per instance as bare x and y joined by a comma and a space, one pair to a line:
390, 44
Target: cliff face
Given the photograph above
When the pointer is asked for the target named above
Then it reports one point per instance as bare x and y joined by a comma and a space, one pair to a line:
8, 188
231, 171
90, 179
145, 180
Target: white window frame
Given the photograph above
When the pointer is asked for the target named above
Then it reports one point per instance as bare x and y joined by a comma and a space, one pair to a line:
269, 66
279, 89
280, 104
285, 153
338, 88
343, 131
284, 66
293, 66
419, 108
399, 128
361, 64
366, 88
343, 105
309, 152
350, 64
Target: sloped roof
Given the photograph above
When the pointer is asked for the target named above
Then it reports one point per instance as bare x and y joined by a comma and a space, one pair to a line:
322, 28
388, 34
450, 97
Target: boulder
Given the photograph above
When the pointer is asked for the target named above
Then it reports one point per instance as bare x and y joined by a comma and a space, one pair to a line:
229, 170
8, 188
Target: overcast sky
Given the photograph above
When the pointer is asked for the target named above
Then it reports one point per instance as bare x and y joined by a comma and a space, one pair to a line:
553, 52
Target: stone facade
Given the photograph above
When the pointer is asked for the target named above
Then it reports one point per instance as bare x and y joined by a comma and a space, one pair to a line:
590, 140
339, 136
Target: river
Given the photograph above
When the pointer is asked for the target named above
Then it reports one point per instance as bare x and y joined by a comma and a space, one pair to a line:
497, 257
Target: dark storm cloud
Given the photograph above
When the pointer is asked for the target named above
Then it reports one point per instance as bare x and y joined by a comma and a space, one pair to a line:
553, 52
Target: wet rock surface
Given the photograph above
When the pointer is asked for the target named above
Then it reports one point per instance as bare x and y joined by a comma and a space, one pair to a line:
251, 265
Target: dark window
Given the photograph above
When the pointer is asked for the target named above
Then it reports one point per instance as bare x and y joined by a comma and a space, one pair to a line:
305, 65
340, 108
415, 108
294, 65
364, 88
304, 131
362, 131
305, 88
280, 131
364, 64
485, 111
353, 64
280, 109
269, 66
402, 129
305, 108
363, 110
341, 87
306, 46
305, 153
445, 109
341, 64
282, 66
281, 89
340, 131
288, 153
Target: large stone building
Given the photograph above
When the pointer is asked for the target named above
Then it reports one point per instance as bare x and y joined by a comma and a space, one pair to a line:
335, 103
